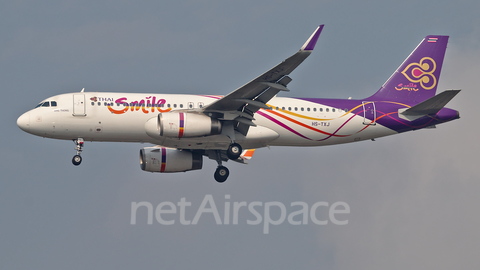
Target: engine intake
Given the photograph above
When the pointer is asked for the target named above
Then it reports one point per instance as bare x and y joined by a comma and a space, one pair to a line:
161, 159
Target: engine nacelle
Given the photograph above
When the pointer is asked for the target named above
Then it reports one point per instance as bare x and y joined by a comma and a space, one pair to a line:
161, 159
182, 125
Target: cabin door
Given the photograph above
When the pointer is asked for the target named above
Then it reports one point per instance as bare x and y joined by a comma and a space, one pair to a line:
369, 113
79, 105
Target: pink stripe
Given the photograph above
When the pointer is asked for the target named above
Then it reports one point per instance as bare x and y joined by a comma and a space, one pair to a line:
215, 97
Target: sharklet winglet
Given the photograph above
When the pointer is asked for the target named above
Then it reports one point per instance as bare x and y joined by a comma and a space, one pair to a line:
312, 41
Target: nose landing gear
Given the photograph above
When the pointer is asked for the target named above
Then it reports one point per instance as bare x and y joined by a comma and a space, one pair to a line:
77, 159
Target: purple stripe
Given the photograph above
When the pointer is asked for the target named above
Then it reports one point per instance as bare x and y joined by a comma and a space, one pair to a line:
164, 159
181, 120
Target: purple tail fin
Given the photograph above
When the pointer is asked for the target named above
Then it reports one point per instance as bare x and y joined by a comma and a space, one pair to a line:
417, 77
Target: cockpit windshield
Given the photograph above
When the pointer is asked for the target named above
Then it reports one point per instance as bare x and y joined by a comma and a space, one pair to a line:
47, 104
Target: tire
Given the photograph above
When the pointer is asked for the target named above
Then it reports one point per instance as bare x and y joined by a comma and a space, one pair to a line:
76, 160
234, 151
221, 174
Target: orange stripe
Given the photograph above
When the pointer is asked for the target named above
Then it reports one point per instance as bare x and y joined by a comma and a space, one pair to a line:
249, 153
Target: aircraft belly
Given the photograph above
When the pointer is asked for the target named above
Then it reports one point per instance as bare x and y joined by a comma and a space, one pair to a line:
257, 137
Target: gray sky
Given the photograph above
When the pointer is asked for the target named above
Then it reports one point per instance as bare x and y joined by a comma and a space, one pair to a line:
413, 197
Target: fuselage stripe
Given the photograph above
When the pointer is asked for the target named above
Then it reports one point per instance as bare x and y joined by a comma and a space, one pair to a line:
182, 124
164, 159
281, 124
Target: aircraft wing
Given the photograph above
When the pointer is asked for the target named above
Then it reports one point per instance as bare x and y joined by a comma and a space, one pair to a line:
241, 104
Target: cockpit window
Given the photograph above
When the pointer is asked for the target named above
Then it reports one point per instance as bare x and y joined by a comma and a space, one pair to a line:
47, 104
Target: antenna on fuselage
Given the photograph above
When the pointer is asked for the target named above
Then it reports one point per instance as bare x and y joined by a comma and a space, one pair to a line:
83, 89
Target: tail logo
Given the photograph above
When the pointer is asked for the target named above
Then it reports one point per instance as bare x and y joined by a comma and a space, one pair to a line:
421, 73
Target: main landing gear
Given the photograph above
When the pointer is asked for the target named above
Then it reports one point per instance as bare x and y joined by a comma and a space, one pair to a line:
77, 159
221, 174
233, 152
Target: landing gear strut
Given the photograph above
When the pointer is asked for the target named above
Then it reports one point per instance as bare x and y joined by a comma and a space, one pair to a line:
77, 159
221, 173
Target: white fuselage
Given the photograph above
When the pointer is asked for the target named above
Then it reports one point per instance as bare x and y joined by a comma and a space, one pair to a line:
121, 117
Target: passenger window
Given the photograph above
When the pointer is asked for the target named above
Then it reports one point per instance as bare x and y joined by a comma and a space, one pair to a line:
105, 104
289, 108
181, 105
346, 110
333, 110
283, 108
99, 104
320, 110
276, 108
301, 109
296, 109
308, 109
93, 103
326, 109
168, 105
174, 105
314, 109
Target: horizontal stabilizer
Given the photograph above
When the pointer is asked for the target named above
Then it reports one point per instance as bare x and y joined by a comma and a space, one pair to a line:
430, 106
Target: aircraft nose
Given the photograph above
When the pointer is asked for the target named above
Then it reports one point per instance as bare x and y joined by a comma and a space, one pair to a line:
23, 122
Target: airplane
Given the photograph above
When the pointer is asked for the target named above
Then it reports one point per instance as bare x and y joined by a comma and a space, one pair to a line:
184, 128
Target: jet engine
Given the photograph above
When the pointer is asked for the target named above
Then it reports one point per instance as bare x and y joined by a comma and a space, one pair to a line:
161, 159
182, 125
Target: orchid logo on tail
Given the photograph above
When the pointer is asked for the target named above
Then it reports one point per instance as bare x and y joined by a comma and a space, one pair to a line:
422, 73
